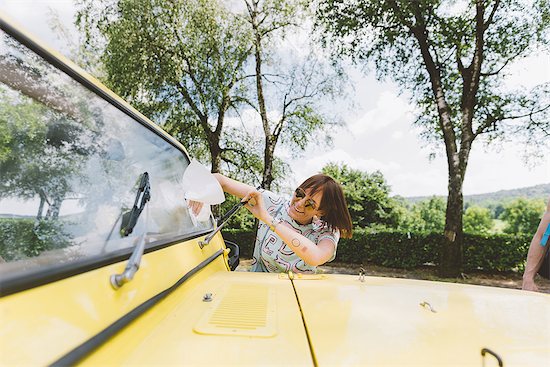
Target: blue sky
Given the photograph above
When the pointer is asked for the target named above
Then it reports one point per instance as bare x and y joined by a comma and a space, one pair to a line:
379, 134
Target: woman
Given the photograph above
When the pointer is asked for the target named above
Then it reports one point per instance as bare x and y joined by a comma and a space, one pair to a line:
297, 234
537, 249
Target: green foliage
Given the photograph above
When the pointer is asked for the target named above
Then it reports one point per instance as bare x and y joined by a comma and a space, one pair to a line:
431, 214
477, 220
399, 249
181, 63
23, 238
242, 220
367, 195
450, 57
41, 151
523, 216
497, 252
425, 216
397, 35
244, 238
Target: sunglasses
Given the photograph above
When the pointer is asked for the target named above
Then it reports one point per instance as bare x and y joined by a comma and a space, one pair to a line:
300, 194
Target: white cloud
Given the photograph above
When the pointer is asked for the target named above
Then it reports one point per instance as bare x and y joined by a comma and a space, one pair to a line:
313, 164
397, 135
34, 16
390, 109
528, 72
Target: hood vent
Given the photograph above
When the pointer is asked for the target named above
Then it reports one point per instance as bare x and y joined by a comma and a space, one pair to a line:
244, 310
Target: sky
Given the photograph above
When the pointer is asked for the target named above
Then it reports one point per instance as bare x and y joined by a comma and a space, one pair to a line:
378, 135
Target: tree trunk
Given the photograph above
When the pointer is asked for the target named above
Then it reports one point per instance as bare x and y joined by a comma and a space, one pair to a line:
55, 207
267, 176
270, 139
215, 157
41, 206
451, 251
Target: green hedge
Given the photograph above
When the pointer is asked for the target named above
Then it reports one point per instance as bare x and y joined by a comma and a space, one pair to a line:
410, 250
23, 237
245, 240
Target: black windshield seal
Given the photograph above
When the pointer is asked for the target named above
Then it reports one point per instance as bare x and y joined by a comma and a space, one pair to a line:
35, 278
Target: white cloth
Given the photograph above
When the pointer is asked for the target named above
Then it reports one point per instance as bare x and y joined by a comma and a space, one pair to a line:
201, 185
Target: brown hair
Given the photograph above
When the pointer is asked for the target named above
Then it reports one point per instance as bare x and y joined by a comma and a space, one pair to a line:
333, 203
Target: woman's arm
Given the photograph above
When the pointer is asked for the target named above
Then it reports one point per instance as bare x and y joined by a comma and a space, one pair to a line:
233, 187
312, 254
228, 185
536, 253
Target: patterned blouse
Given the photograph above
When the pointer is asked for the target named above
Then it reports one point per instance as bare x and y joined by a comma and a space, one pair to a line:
271, 254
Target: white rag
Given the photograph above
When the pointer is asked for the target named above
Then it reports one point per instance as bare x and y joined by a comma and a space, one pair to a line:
201, 185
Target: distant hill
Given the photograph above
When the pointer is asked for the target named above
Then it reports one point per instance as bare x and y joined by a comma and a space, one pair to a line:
532, 192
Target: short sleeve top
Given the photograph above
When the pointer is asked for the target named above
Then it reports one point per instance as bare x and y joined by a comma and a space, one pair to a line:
271, 253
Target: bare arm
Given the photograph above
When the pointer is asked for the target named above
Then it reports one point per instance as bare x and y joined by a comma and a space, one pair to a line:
536, 253
233, 187
228, 185
312, 254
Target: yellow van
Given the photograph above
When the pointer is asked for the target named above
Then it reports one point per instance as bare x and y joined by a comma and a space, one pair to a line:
101, 263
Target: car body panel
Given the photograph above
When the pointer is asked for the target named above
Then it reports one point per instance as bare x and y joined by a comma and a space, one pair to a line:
168, 336
400, 322
43, 323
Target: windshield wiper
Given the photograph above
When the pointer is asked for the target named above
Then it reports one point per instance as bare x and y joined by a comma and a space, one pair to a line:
129, 221
223, 221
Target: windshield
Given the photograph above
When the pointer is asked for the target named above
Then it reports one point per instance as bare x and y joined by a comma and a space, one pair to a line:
71, 165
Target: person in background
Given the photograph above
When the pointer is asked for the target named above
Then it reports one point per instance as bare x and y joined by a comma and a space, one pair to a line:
298, 233
537, 250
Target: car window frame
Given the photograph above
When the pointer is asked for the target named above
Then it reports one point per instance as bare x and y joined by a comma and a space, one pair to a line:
37, 277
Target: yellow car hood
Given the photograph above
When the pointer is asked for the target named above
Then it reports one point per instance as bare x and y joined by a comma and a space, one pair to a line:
335, 320
255, 319
400, 322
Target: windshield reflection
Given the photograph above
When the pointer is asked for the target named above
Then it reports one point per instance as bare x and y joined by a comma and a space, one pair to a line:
70, 165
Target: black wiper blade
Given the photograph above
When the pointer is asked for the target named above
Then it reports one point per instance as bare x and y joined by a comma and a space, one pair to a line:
223, 221
143, 195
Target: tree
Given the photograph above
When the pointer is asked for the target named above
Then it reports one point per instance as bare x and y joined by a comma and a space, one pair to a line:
182, 63
477, 220
451, 56
523, 216
42, 151
367, 195
428, 215
292, 90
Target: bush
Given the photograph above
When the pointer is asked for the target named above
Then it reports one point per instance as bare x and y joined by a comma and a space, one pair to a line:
23, 237
407, 250
244, 238
498, 252
396, 249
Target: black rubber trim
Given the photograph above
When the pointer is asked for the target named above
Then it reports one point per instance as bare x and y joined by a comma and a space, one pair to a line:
33, 279
76, 75
84, 349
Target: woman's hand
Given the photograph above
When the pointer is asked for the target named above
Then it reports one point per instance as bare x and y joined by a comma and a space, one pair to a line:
255, 204
529, 284
195, 206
